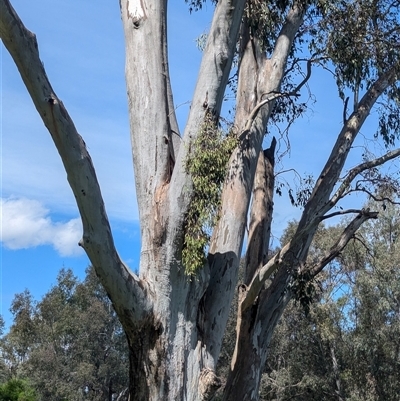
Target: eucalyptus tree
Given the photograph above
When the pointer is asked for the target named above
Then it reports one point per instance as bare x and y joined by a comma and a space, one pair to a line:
3, 368
374, 310
80, 351
347, 346
15, 390
70, 344
197, 189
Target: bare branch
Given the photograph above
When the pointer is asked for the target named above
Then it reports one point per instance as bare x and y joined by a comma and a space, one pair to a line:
355, 171
289, 170
345, 110
319, 202
341, 213
340, 244
123, 287
380, 198
372, 195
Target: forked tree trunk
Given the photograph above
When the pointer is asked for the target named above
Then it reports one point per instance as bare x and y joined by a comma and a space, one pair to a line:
255, 327
174, 323
170, 359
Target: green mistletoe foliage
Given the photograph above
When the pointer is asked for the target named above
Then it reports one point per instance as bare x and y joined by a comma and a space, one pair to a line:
207, 166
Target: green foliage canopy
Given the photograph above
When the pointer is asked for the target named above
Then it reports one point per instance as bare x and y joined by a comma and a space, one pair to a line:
70, 344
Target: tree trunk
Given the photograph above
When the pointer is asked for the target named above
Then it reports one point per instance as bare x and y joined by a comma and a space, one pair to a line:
169, 358
255, 327
336, 372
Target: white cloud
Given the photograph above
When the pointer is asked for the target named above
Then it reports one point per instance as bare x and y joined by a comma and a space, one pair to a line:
26, 223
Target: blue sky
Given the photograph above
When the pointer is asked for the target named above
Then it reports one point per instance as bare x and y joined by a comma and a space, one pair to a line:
82, 48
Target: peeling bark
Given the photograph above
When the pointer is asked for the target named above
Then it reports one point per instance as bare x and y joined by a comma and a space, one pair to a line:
260, 213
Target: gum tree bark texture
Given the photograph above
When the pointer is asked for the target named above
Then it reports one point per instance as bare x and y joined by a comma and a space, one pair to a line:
175, 323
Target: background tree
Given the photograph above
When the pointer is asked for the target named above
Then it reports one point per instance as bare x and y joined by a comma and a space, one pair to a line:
16, 390
16, 345
374, 313
174, 311
346, 347
76, 348
3, 368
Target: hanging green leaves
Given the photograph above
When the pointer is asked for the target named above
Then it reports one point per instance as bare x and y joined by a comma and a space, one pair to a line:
207, 167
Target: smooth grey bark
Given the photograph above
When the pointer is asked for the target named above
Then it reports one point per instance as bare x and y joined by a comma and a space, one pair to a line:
175, 324
163, 186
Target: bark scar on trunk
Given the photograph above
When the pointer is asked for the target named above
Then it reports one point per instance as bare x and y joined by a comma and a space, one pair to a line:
135, 11
209, 383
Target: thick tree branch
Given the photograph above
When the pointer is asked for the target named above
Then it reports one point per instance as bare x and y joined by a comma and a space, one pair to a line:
210, 87
153, 126
150, 96
342, 241
330, 174
260, 213
355, 171
256, 76
207, 100
124, 288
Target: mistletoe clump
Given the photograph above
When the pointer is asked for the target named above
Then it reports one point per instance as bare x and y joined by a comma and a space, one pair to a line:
207, 166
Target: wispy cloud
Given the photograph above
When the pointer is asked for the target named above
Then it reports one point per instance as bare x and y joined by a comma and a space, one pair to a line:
26, 223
